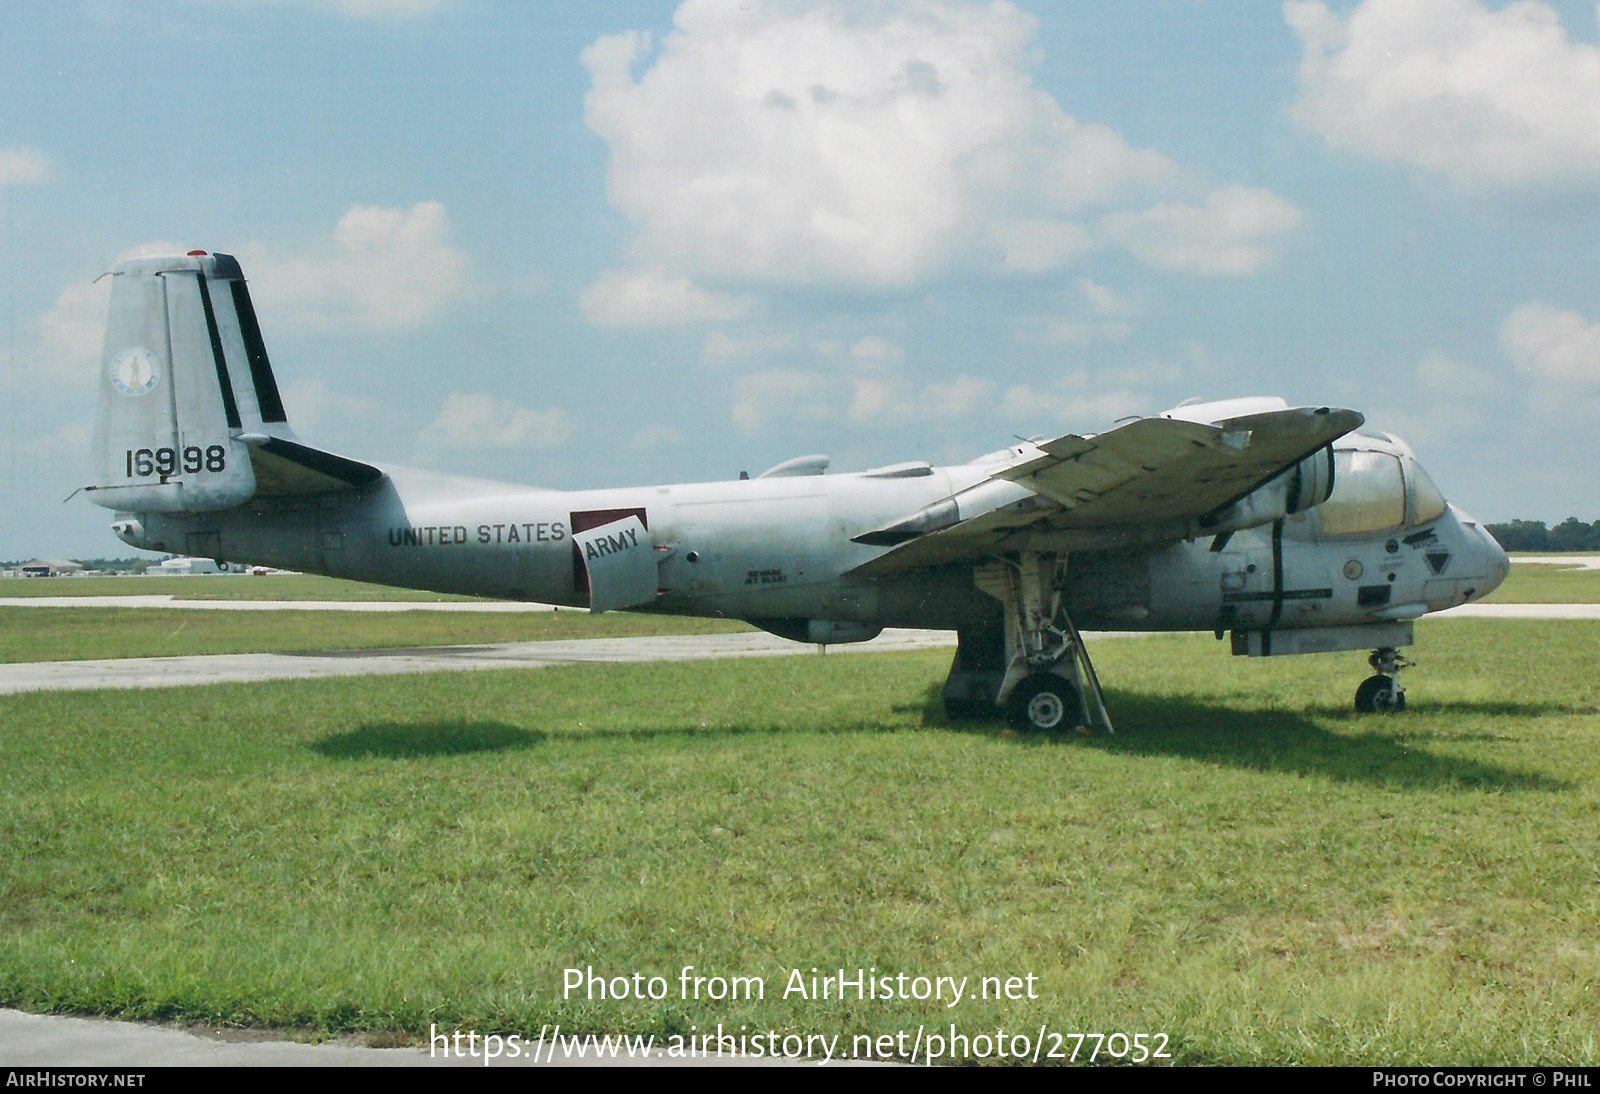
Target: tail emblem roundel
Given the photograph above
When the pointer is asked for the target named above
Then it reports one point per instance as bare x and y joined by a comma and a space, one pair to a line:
135, 371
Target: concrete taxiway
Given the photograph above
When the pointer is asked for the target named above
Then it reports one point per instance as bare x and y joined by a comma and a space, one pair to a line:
1581, 562
238, 668
54, 1040
169, 601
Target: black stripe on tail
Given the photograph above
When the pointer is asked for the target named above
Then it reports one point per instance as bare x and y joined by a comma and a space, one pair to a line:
230, 406
255, 347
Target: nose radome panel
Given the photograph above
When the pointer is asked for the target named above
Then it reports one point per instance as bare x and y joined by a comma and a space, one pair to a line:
1500, 563
1486, 557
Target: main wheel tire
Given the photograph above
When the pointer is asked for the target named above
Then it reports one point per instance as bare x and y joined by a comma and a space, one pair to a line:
1044, 703
1374, 697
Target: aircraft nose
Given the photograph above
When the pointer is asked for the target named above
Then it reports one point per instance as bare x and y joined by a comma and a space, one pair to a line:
1489, 557
1499, 564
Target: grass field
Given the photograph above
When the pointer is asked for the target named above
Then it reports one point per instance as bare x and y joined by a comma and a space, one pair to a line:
75, 634
1246, 866
1548, 583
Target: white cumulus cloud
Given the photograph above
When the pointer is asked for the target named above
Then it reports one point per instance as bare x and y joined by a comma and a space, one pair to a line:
763, 400
1484, 97
383, 269
874, 350
1553, 345
722, 348
20, 166
898, 402
864, 145
1092, 314
316, 410
475, 421
72, 331
64, 341
1069, 405
637, 298
1236, 232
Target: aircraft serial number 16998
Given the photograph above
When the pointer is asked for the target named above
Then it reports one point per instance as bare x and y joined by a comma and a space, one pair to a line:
163, 462
1291, 528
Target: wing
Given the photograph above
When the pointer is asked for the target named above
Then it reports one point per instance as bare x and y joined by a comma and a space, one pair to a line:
1153, 473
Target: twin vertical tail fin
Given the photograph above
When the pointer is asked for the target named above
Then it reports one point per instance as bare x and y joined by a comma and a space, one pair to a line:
185, 388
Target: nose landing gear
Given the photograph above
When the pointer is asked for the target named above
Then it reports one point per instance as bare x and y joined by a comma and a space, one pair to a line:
1382, 694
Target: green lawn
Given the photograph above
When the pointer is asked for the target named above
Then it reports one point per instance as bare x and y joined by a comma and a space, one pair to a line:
1548, 583
75, 634
1247, 866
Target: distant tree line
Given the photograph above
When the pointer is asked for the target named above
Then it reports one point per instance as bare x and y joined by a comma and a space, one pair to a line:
1531, 535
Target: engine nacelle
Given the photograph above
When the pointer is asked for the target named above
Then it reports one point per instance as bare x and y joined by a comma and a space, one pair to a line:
1306, 484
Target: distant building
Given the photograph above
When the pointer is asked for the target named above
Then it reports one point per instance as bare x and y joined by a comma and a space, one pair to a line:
183, 566
49, 567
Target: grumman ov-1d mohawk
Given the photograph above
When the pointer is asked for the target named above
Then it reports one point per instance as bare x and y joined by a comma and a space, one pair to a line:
1283, 525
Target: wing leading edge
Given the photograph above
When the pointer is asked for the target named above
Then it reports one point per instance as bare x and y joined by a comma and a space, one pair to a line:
1165, 475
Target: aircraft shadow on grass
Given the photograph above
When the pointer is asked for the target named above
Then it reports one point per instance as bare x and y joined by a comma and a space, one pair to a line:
1277, 741
413, 740
1151, 725
400, 741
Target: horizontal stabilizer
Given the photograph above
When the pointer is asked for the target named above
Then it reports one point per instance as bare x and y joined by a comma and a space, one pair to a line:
286, 467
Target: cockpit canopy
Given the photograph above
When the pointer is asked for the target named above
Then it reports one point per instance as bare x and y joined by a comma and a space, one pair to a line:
1378, 486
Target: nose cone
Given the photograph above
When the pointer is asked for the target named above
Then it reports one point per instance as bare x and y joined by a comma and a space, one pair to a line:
1488, 558
1500, 565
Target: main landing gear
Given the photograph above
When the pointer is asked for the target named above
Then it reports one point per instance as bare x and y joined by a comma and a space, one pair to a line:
1382, 694
1037, 670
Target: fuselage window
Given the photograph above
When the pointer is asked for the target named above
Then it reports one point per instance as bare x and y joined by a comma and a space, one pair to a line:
1428, 503
1369, 495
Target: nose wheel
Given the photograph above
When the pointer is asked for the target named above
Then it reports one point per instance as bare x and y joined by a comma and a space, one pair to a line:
1382, 693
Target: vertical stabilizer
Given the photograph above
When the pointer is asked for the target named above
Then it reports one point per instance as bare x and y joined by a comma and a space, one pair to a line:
183, 376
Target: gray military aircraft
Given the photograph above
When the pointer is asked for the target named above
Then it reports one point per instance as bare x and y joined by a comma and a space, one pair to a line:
1288, 527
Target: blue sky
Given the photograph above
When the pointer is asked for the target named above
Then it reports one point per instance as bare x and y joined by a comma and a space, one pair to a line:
578, 245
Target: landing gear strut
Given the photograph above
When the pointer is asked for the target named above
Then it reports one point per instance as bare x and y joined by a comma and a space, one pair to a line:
1382, 694
1048, 683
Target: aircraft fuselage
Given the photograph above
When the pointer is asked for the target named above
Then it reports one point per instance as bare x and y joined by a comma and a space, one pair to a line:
780, 549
